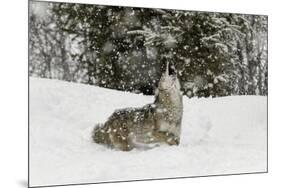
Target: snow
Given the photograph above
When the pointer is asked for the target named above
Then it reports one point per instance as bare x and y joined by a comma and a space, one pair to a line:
225, 135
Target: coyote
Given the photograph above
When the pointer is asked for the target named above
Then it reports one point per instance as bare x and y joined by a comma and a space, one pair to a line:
153, 124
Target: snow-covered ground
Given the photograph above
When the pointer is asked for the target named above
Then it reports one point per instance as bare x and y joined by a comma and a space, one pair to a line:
219, 136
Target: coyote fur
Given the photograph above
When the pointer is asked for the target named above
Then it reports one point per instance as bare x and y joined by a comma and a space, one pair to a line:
153, 124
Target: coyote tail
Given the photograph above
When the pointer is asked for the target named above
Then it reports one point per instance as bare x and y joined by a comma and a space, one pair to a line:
99, 134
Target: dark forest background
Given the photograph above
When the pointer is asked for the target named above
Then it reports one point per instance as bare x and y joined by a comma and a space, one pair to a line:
124, 48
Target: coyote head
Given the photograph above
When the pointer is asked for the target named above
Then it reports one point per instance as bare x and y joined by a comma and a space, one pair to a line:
169, 80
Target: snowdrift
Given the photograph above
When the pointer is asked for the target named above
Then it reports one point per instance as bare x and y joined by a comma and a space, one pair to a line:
225, 135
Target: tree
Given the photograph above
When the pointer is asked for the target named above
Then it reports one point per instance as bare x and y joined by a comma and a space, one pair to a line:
124, 48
